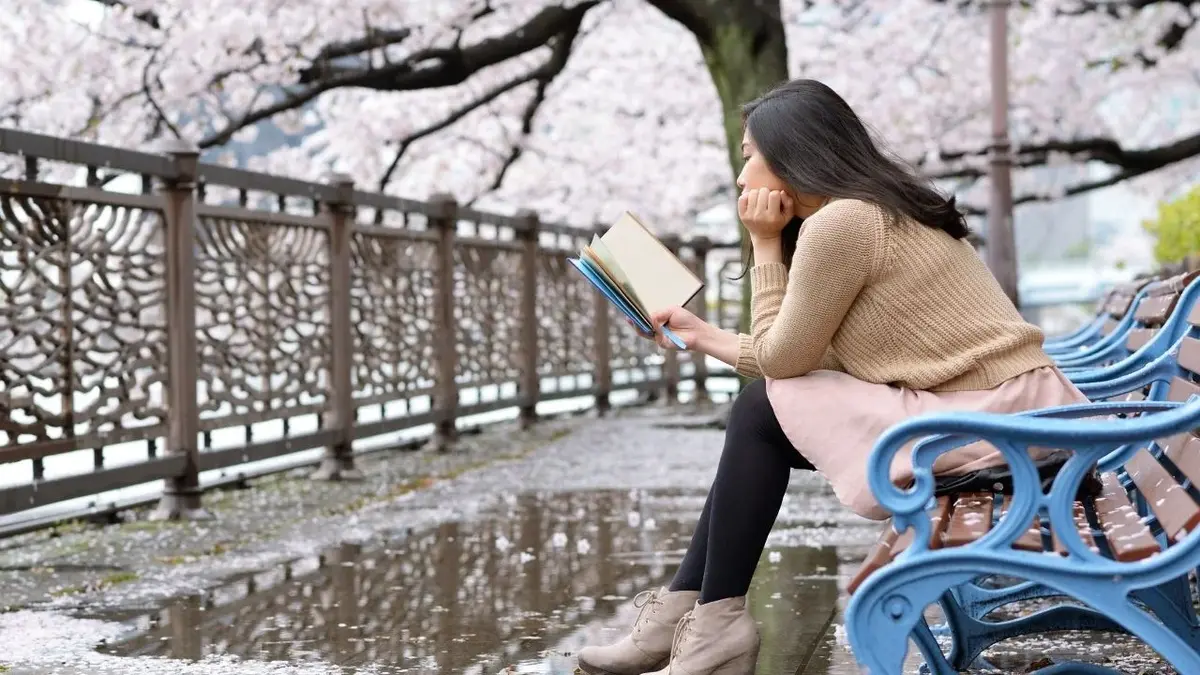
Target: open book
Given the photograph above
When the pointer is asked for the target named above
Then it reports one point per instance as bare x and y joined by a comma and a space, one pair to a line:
637, 274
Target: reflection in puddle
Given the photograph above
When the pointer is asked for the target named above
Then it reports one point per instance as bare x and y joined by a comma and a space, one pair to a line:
524, 586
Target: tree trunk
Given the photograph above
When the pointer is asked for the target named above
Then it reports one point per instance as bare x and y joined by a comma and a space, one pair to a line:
746, 54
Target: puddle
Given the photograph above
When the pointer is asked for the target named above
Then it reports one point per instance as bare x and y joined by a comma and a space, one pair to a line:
521, 588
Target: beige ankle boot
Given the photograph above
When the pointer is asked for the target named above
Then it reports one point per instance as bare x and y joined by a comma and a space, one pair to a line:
716, 638
648, 644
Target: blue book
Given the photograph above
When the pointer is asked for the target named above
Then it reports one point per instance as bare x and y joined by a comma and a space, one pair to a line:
638, 274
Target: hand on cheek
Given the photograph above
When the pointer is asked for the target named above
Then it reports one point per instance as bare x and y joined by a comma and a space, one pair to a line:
765, 212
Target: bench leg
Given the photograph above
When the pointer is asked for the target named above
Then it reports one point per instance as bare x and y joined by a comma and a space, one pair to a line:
972, 635
935, 660
978, 601
1171, 602
971, 602
885, 611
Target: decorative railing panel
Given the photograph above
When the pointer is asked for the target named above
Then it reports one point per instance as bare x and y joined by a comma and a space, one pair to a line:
394, 318
262, 319
487, 311
204, 299
82, 325
566, 345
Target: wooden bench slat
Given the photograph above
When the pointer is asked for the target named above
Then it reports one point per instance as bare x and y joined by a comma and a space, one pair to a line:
1181, 389
939, 518
1155, 309
1184, 451
1031, 540
1189, 352
1082, 526
970, 520
1139, 337
891, 544
1169, 502
881, 554
1128, 536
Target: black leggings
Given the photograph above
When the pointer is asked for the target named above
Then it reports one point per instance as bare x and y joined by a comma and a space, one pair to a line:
743, 501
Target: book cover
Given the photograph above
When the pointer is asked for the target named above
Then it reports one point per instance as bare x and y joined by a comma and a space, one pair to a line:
637, 273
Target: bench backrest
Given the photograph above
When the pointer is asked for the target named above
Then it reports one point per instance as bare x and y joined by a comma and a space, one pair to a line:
1156, 308
1119, 301
1164, 476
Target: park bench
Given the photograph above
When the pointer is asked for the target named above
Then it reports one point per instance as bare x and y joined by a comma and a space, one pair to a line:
1113, 308
1155, 330
1128, 535
1129, 333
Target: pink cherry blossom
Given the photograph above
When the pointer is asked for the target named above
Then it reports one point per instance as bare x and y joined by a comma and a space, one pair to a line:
631, 119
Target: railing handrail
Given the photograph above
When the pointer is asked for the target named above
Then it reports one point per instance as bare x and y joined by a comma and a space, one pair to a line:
316, 290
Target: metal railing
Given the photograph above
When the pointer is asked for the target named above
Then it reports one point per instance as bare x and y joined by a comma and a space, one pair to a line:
210, 298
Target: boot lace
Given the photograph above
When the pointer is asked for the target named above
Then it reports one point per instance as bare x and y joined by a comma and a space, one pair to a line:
677, 642
648, 601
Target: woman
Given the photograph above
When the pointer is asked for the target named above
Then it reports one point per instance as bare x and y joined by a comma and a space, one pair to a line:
868, 307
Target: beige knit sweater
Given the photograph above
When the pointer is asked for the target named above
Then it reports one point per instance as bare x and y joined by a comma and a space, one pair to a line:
889, 303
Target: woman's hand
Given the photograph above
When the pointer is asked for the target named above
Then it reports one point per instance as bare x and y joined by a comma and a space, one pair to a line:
689, 327
765, 212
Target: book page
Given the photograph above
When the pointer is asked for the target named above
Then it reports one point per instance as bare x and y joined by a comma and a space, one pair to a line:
604, 259
658, 278
604, 285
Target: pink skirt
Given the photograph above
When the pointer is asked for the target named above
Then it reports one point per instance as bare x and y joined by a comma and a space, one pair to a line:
834, 419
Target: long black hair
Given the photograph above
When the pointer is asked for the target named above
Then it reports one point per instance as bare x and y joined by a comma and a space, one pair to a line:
811, 139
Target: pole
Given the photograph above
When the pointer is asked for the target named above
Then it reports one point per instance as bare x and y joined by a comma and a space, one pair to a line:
1001, 245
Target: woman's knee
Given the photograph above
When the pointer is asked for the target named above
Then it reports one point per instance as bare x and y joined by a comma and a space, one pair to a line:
751, 409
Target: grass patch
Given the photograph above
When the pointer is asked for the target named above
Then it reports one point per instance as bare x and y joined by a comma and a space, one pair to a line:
114, 579
118, 578
4, 668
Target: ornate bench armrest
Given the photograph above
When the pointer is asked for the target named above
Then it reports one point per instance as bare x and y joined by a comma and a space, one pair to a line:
1013, 435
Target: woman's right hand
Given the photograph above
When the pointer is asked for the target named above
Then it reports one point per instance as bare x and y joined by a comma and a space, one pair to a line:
689, 327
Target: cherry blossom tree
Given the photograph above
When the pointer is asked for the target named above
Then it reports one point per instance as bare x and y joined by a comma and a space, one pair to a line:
582, 108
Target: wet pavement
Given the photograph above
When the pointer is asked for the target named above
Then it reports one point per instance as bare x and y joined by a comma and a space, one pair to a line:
492, 561
524, 586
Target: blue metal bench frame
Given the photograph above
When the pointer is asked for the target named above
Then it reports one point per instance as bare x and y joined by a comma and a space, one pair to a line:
1085, 334
1110, 348
888, 607
1153, 367
1156, 354
1074, 344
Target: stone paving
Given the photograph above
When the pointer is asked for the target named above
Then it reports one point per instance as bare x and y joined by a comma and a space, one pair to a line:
505, 556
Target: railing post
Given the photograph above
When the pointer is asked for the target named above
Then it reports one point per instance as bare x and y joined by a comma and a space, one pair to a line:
338, 461
700, 247
602, 339
181, 493
671, 356
530, 384
444, 221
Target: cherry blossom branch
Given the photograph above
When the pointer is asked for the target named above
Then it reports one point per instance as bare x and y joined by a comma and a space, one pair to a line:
1130, 163
555, 65
543, 75
423, 69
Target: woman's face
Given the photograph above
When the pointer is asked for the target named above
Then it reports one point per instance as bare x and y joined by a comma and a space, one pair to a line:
756, 174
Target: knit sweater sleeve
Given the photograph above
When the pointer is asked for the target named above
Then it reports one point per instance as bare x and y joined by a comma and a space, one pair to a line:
795, 315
